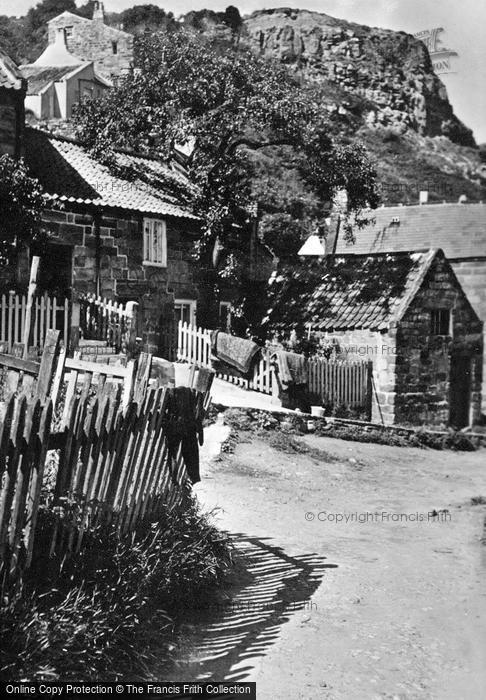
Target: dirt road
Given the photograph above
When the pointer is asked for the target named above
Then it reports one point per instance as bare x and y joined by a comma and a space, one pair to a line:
354, 590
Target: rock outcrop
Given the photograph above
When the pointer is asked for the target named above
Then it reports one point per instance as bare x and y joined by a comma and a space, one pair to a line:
390, 70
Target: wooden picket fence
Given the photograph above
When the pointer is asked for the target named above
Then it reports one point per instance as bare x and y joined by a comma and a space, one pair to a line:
103, 319
48, 312
116, 464
194, 346
341, 382
335, 382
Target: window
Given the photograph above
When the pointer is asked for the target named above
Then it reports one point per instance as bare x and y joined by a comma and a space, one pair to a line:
225, 315
68, 31
154, 243
114, 47
185, 311
440, 322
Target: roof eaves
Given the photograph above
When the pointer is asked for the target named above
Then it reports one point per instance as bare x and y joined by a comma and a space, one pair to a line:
66, 13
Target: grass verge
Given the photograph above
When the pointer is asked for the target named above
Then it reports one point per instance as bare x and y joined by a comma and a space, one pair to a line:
110, 612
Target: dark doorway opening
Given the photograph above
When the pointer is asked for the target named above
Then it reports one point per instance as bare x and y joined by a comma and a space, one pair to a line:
55, 270
460, 391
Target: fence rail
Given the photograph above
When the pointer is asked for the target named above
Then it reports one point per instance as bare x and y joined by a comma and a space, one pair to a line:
47, 313
333, 382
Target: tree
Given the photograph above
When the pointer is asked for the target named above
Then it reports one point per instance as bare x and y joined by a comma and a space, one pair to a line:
35, 25
244, 119
21, 206
142, 18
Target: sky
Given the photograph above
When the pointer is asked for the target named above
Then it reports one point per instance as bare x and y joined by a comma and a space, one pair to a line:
463, 21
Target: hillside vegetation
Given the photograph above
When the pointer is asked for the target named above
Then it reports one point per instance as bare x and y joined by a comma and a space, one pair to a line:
376, 86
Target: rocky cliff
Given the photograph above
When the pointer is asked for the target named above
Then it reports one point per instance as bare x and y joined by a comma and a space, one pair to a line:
390, 71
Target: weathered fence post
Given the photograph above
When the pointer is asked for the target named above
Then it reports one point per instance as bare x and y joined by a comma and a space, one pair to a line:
34, 268
48, 364
74, 329
132, 318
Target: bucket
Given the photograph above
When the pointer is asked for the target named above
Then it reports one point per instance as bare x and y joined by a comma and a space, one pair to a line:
317, 411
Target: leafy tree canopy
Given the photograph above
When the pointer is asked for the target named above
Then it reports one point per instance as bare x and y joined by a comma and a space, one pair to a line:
145, 18
254, 133
21, 206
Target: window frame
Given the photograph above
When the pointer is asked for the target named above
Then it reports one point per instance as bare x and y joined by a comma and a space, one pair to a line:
148, 243
192, 303
437, 323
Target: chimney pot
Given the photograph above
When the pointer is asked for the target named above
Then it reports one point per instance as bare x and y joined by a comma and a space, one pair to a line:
98, 11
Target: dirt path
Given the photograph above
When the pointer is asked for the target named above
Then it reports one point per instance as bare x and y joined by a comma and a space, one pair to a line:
374, 609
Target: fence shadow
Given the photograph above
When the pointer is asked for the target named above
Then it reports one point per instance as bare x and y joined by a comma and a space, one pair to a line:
225, 638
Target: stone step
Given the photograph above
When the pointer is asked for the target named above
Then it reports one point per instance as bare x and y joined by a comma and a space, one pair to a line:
97, 351
83, 343
119, 359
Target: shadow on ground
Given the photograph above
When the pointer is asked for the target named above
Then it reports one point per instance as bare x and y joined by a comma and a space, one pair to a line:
224, 639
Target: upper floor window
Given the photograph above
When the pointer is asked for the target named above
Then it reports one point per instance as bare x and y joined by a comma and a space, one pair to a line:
68, 31
154, 242
114, 46
440, 322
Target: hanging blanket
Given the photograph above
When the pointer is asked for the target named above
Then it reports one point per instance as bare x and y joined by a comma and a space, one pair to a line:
184, 428
291, 367
239, 353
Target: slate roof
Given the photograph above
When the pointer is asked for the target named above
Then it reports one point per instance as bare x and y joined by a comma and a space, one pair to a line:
369, 292
40, 77
10, 75
459, 229
69, 173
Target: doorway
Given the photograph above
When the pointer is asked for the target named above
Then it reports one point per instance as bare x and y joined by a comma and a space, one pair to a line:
56, 270
460, 391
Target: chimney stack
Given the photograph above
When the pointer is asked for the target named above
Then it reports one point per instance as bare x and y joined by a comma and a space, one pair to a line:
98, 12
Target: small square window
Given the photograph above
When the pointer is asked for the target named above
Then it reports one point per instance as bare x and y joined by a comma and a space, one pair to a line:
440, 322
68, 31
185, 311
154, 243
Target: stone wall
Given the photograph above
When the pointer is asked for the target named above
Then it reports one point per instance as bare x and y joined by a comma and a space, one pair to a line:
94, 41
472, 276
424, 360
117, 262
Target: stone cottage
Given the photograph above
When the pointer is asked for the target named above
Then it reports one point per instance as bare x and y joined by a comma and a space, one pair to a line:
459, 229
58, 80
13, 88
408, 313
124, 232
111, 49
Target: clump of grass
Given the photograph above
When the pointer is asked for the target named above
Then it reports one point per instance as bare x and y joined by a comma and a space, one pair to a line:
452, 440
478, 501
109, 608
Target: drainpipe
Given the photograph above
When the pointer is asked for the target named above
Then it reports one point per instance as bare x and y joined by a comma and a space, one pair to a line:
97, 254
